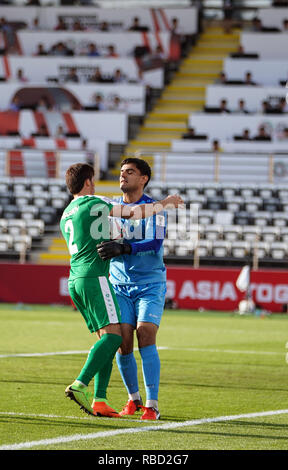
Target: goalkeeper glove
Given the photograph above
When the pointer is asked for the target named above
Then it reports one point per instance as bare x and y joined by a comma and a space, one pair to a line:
111, 249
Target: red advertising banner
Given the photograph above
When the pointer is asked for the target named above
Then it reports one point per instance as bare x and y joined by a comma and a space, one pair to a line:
207, 288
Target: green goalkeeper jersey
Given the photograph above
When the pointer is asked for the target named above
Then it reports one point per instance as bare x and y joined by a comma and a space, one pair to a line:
84, 224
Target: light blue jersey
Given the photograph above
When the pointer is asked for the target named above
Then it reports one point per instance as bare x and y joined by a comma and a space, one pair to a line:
145, 263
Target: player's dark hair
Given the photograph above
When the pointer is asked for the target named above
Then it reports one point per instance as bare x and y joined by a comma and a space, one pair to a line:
141, 165
76, 175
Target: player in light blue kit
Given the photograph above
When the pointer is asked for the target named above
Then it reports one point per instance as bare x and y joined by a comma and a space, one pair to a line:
138, 275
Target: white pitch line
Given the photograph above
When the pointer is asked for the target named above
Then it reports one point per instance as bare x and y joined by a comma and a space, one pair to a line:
160, 348
175, 425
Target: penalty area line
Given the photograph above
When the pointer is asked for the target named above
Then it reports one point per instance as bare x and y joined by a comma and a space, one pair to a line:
162, 427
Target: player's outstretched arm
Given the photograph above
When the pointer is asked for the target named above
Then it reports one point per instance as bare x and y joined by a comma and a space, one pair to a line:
142, 211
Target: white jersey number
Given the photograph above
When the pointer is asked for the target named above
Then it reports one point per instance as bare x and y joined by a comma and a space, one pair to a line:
73, 248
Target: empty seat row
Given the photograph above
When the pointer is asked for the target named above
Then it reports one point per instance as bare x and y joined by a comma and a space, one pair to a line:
34, 228
157, 190
225, 249
39, 200
17, 243
251, 233
47, 214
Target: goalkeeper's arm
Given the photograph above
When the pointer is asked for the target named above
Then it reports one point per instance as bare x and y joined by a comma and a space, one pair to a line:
142, 211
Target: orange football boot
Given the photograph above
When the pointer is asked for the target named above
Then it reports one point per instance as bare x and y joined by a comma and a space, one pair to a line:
102, 408
131, 407
150, 413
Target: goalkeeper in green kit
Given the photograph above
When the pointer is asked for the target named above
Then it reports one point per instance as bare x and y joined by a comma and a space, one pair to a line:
84, 224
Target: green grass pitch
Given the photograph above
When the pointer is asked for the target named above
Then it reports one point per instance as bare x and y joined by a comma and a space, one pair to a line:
221, 376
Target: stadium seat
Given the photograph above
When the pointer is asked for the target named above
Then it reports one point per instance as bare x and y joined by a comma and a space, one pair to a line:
278, 250
29, 211
279, 219
215, 203
6, 242
23, 199
16, 226
252, 204
243, 218
284, 234
240, 249
221, 248
235, 203
232, 232
204, 248
270, 234
247, 190
183, 248
271, 204
21, 242
35, 228
250, 233
213, 232
11, 212
3, 226
262, 218
205, 217
261, 248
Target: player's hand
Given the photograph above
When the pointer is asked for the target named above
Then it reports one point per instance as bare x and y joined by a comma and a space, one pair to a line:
111, 249
173, 201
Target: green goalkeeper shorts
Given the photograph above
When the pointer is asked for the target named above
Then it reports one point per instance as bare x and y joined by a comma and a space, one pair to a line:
95, 299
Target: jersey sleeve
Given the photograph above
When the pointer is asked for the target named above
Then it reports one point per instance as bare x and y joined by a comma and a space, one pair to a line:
155, 231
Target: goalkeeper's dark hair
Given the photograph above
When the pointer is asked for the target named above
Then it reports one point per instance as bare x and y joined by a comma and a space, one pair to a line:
141, 165
76, 175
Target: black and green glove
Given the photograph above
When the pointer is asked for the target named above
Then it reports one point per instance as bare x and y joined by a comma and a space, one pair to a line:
111, 249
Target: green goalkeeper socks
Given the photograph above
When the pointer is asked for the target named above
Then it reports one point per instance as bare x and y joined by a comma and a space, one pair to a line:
100, 359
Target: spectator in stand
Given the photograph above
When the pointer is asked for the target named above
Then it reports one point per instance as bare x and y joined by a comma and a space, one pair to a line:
256, 25
284, 135
14, 105
60, 133
135, 26
111, 51
104, 26
216, 146
40, 50
189, 134
77, 26
98, 104
72, 76
42, 132
222, 79
42, 105
60, 49
223, 106
283, 106
97, 77
285, 25
119, 77
241, 107
92, 50
61, 25
35, 25
262, 134
244, 136
248, 79
265, 107
117, 104
20, 77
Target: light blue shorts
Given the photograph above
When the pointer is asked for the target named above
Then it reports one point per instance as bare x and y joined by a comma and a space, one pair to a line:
141, 303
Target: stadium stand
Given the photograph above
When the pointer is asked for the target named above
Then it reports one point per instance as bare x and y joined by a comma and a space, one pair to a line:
164, 74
